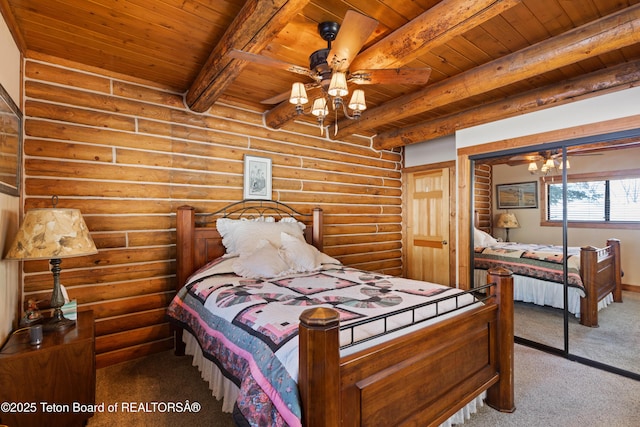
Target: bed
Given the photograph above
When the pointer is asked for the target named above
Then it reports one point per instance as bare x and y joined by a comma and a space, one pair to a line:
593, 274
400, 367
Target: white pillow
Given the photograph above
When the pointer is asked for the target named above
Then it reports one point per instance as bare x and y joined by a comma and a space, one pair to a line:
300, 255
326, 259
242, 236
264, 262
303, 257
480, 238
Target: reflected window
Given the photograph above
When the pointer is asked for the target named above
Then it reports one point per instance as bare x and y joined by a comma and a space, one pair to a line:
596, 199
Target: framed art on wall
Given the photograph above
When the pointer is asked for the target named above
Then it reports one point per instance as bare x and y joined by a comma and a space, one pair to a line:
257, 177
517, 196
10, 144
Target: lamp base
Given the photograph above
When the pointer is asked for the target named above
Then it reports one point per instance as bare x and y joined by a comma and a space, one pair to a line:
58, 322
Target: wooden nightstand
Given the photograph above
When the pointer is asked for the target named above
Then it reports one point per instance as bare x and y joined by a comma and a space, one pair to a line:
53, 384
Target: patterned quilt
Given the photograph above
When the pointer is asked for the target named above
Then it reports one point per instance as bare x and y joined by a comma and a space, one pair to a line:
249, 327
543, 262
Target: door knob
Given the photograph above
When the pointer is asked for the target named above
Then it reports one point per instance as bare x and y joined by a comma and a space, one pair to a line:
444, 242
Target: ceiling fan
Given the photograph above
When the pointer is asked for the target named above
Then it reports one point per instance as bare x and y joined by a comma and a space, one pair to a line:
548, 155
550, 161
344, 42
540, 156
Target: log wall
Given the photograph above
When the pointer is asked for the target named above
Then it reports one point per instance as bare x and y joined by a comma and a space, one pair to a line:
482, 191
128, 154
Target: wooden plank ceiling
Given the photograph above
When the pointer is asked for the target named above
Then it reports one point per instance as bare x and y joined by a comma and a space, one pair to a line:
488, 58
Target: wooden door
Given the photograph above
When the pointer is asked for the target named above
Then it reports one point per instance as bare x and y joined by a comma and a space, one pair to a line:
428, 226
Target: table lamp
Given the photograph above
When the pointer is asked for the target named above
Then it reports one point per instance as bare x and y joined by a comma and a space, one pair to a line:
52, 234
507, 221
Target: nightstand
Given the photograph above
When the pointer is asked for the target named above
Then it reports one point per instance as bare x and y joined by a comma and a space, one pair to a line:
53, 384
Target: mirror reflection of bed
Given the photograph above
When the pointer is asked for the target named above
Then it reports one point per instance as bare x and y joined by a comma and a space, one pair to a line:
614, 341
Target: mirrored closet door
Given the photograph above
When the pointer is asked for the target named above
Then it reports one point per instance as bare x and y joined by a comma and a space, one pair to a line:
566, 179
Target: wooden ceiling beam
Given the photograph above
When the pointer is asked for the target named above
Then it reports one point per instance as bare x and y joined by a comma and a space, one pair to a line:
432, 28
592, 39
255, 26
602, 80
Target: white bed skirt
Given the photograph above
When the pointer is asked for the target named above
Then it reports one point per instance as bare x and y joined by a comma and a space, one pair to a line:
540, 292
222, 388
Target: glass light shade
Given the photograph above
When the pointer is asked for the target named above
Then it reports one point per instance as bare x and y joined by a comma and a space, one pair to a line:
338, 85
319, 108
298, 94
52, 234
550, 164
568, 165
533, 167
357, 101
507, 220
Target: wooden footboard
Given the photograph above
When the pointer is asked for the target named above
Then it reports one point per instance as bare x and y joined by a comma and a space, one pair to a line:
418, 379
601, 274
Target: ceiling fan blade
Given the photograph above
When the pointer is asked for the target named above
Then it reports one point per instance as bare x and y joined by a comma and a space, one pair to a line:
402, 76
270, 62
277, 99
354, 32
521, 160
285, 95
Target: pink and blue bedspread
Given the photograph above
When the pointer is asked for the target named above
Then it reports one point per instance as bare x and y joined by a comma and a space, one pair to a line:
249, 327
543, 262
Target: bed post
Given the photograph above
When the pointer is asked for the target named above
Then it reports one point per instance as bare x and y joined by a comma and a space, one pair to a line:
319, 367
588, 270
500, 396
317, 237
614, 244
185, 226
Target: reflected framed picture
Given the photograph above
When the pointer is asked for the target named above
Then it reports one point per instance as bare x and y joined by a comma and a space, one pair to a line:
519, 195
10, 144
257, 177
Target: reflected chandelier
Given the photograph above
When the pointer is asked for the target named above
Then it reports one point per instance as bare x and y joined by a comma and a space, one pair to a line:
550, 165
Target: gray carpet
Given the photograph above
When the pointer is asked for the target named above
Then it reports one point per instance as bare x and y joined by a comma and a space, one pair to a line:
549, 391
615, 342
553, 391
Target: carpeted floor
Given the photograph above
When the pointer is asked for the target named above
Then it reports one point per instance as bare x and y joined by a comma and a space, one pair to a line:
141, 393
549, 391
615, 342
553, 391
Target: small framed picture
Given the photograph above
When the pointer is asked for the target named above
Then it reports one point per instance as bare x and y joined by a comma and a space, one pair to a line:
257, 177
517, 196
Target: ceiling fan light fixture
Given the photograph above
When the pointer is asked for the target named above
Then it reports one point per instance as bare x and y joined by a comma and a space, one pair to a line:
533, 167
298, 94
319, 108
338, 85
357, 102
549, 164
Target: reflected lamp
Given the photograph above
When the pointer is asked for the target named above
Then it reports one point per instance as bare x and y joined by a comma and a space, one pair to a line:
507, 221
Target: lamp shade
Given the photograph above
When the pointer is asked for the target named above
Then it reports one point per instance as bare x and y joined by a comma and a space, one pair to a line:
507, 220
338, 85
51, 234
298, 94
357, 102
319, 108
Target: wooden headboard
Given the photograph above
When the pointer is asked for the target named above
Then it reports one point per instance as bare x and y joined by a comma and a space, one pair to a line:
198, 241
